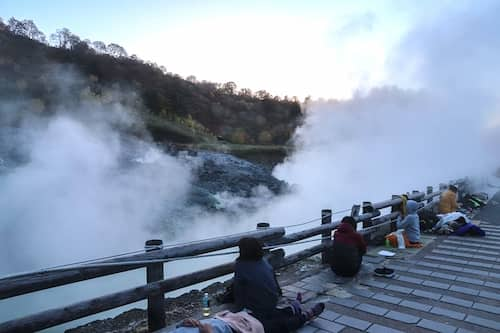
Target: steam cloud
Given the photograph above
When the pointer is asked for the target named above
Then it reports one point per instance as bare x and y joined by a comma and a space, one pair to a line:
78, 189
441, 121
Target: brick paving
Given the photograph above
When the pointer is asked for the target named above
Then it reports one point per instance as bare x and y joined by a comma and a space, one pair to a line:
451, 285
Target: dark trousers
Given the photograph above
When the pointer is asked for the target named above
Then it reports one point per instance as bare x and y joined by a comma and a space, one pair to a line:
281, 321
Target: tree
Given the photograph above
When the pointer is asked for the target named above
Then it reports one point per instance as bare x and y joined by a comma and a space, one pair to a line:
26, 28
229, 88
3, 26
246, 92
99, 47
116, 51
64, 39
239, 136
262, 94
191, 78
265, 137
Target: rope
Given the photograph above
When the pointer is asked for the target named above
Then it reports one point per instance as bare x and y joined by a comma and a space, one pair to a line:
173, 245
93, 260
128, 253
318, 218
155, 261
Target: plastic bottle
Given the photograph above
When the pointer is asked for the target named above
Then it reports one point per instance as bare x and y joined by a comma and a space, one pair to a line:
205, 304
387, 243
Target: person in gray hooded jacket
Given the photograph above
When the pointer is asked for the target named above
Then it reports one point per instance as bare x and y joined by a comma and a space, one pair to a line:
411, 223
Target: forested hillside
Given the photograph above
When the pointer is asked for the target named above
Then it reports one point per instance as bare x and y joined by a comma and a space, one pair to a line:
174, 109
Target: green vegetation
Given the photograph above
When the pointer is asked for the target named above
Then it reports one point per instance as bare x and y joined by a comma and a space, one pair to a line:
174, 109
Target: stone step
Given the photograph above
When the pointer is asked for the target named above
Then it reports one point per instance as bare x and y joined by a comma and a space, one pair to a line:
467, 255
469, 244
482, 240
461, 268
461, 247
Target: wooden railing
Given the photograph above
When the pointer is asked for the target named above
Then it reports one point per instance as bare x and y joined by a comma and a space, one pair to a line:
154, 257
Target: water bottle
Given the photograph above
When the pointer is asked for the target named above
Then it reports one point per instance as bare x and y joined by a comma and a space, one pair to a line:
205, 304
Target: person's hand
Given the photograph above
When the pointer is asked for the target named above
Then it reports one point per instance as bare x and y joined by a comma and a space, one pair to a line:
191, 322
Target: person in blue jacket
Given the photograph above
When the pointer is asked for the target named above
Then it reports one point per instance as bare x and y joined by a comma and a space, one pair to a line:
411, 223
257, 291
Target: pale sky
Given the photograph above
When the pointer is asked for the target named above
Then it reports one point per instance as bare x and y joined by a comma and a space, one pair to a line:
297, 48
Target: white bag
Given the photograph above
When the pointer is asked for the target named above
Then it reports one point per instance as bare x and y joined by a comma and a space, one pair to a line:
401, 239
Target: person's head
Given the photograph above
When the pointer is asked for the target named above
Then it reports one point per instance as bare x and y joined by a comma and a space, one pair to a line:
411, 206
349, 220
250, 249
453, 188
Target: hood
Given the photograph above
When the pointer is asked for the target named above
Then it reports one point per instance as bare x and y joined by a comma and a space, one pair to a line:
345, 228
411, 206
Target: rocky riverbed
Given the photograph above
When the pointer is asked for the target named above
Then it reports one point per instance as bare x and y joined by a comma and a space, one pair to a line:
219, 175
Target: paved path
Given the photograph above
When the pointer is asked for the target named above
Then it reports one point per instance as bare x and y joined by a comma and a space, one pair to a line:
451, 285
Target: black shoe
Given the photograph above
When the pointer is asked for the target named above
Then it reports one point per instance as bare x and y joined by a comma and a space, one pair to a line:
314, 311
384, 272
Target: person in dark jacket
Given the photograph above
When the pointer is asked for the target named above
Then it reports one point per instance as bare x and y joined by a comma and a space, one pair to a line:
257, 290
348, 249
255, 285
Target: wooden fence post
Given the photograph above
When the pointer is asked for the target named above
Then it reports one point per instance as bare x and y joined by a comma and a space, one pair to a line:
367, 207
326, 218
156, 303
429, 191
355, 210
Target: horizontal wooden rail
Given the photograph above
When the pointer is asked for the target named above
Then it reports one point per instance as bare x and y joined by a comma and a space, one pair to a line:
82, 309
26, 283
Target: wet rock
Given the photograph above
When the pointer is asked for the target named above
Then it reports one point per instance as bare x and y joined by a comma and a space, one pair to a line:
217, 173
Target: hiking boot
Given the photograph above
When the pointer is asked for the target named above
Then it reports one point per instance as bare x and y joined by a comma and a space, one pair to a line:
384, 272
314, 311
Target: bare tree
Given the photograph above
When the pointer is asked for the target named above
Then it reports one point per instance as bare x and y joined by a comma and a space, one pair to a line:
65, 39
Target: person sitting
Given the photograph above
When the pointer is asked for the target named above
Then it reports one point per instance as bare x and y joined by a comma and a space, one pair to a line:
448, 201
411, 223
257, 290
347, 250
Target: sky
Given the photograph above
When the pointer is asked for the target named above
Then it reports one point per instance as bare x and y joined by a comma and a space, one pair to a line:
323, 49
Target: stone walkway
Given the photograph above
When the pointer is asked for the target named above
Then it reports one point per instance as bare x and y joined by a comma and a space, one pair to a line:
451, 285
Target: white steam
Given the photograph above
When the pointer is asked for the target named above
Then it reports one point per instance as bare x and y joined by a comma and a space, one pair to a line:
439, 123
75, 198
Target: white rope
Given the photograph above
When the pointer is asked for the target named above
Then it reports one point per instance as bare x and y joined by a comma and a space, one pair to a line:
318, 218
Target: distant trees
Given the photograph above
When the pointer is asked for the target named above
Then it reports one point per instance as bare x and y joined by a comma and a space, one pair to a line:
229, 88
99, 47
2, 25
239, 116
26, 28
64, 39
116, 51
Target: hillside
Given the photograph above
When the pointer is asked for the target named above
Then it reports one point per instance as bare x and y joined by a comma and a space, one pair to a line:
173, 109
